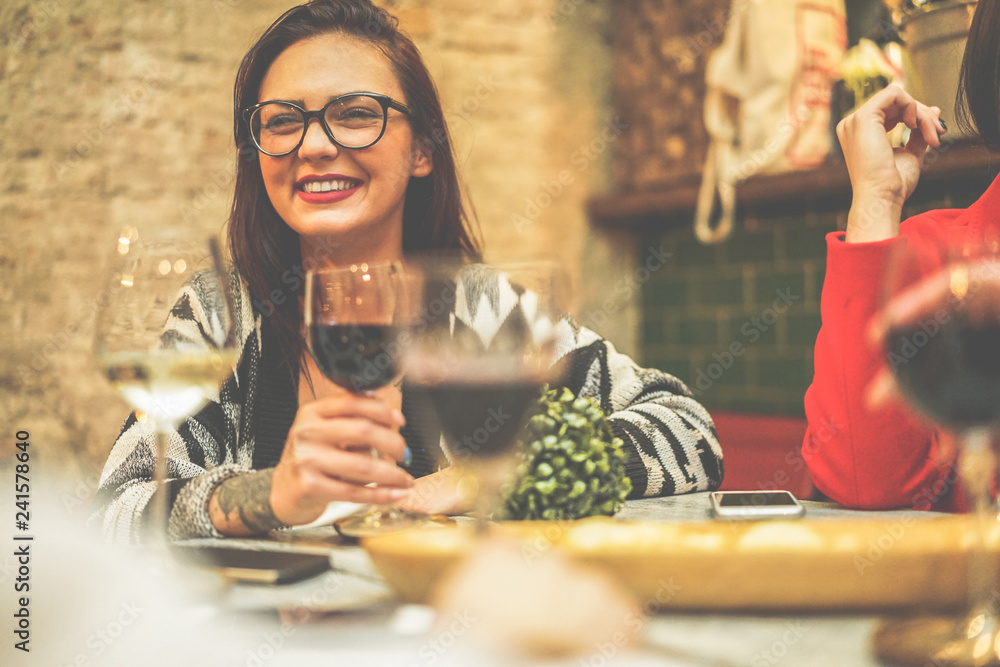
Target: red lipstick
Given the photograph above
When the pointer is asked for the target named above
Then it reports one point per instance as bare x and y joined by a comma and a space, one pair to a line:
330, 196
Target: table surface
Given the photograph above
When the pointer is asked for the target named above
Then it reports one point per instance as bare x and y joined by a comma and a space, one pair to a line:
357, 621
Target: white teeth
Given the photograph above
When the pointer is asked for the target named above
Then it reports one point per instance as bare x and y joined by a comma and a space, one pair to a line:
327, 186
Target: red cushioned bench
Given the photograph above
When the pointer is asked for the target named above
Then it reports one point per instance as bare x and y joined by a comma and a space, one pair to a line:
763, 452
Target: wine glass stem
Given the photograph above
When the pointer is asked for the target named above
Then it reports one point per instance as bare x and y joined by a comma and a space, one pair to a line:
160, 509
484, 503
979, 465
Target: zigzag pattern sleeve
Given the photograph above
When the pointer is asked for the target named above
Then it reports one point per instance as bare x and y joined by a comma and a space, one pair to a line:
669, 438
202, 453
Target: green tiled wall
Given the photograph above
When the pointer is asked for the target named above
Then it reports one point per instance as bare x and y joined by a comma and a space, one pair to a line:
737, 321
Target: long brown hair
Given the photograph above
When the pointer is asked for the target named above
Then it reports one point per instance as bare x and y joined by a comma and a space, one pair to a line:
978, 105
265, 249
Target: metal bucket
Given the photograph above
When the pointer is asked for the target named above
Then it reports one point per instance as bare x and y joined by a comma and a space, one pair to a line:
935, 36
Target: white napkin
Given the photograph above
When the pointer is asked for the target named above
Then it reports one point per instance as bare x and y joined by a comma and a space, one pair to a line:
334, 510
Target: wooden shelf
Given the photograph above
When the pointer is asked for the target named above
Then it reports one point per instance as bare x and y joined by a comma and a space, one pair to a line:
656, 207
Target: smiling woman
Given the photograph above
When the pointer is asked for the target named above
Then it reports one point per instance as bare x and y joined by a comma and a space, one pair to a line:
369, 181
345, 158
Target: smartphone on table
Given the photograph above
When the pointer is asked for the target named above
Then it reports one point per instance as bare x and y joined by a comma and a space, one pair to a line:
246, 565
751, 505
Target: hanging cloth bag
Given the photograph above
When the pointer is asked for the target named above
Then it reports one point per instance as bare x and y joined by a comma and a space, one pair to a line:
767, 105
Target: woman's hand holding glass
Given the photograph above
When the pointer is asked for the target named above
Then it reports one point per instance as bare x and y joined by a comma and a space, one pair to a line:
353, 316
327, 457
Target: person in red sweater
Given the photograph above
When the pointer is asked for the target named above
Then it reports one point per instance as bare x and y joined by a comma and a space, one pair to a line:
884, 456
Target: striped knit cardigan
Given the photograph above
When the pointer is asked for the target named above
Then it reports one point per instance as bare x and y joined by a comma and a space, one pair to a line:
668, 437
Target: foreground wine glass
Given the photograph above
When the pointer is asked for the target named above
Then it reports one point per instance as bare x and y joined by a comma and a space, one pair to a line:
943, 345
146, 344
352, 317
484, 343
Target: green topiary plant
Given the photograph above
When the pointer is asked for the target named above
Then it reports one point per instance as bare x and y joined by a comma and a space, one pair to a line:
571, 466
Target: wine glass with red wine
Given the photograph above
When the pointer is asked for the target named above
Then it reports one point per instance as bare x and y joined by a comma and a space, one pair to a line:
942, 321
484, 342
352, 317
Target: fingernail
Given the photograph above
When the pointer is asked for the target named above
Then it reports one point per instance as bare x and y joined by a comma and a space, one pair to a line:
407, 456
397, 494
944, 126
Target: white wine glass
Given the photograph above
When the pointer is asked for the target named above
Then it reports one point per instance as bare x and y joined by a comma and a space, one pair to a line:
942, 343
163, 358
353, 322
484, 342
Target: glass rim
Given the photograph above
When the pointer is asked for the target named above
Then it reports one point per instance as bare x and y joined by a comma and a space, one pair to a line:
354, 267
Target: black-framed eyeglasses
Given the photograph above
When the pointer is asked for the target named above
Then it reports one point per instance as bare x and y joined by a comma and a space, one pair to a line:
354, 120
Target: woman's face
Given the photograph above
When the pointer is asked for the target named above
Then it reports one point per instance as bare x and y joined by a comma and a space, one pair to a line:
365, 204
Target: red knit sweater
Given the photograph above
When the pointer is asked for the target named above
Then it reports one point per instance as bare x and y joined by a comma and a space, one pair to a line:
888, 457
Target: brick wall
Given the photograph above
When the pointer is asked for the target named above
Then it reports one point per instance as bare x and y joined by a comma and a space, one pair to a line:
738, 321
118, 111
115, 112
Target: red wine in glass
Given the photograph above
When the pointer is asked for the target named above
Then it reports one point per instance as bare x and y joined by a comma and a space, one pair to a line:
484, 341
952, 373
358, 357
943, 348
481, 419
352, 322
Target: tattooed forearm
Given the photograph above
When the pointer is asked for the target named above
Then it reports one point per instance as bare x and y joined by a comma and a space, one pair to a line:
249, 497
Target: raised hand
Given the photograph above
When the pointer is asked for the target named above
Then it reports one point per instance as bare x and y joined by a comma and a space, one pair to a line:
883, 177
